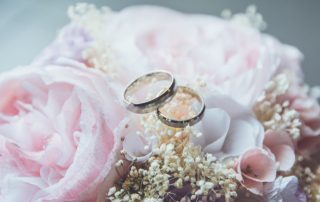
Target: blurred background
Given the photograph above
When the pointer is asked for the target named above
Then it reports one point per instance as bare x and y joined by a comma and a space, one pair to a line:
28, 26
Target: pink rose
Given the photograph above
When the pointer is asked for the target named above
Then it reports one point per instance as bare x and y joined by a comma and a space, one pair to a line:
56, 133
228, 128
236, 59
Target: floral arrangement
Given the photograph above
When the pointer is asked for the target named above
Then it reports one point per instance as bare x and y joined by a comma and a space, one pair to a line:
65, 135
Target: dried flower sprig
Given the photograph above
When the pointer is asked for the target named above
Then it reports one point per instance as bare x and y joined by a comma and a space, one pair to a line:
277, 115
250, 18
315, 186
308, 173
94, 20
89, 17
168, 176
177, 170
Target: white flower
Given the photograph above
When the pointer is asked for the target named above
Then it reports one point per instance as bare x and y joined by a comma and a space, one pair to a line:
112, 190
228, 128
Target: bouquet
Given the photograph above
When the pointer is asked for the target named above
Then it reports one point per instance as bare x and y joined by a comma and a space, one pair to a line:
149, 104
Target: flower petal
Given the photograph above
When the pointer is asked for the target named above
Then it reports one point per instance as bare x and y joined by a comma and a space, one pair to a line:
257, 164
290, 190
137, 148
24, 188
253, 186
273, 138
283, 189
216, 100
284, 155
214, 127
241, 137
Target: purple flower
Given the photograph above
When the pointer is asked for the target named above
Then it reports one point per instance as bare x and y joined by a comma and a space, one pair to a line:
284, 189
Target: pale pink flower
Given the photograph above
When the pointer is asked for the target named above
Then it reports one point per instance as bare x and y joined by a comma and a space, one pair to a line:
57, 139
236, 59
281, 145
256, 167
308, 108
309, 111
228, 128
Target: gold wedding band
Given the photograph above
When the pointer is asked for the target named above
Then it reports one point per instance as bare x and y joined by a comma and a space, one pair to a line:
161, 98
188, 121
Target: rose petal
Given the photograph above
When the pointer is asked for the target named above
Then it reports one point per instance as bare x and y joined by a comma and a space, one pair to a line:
25, 188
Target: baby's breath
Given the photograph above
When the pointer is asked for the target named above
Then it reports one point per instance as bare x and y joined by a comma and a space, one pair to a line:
90, 17
95, 21
177, 170
308, 173
251, 18
276, 115
169, 171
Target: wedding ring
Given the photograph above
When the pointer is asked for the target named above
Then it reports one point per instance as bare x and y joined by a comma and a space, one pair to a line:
194, 118
152, 99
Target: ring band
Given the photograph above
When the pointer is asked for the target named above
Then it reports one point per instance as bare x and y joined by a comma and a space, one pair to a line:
185, 122
152, 104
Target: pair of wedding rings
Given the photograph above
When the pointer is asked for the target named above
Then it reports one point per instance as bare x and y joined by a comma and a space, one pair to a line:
160, 98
